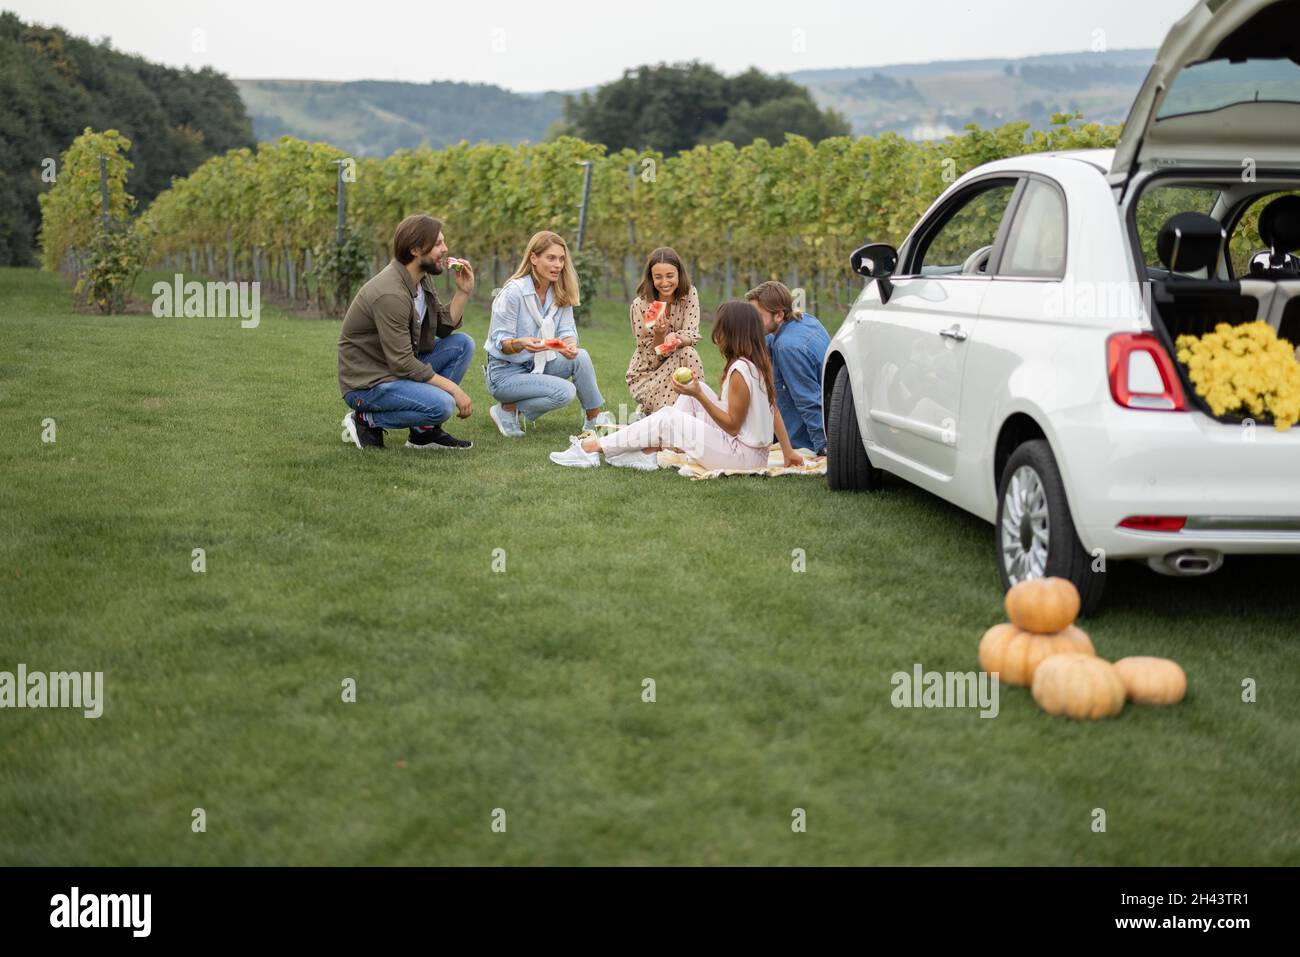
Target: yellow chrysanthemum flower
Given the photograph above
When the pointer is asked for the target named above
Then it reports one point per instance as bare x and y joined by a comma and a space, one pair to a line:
1244, 368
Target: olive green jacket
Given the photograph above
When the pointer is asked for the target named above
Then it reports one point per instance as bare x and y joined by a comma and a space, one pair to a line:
375, 345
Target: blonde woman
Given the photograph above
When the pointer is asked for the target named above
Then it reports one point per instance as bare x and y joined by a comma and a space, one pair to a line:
534, 364
669, 343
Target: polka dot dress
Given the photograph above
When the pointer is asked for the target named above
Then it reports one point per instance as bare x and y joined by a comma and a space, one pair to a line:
649, 376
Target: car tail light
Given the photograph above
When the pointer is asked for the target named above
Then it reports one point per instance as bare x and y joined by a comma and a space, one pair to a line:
1142, 376
1155, 523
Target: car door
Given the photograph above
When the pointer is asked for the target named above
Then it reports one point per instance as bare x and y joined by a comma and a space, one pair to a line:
1024, 322
913, 355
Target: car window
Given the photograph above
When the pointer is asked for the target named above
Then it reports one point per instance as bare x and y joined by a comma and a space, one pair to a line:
1215, 84
1158, 204
971, 229
1245, 242
1036, 238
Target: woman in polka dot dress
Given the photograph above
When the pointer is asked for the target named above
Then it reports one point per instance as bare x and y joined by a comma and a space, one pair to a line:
675, 332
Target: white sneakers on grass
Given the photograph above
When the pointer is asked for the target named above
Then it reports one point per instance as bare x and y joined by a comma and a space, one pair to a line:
511, 424
603, 418
507, 423
636, 459
575, 456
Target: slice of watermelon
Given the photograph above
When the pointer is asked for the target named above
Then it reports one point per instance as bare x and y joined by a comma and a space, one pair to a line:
653, 313
670, 342
554, 343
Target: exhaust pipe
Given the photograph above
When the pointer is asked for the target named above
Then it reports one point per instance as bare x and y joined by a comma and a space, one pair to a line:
1188, 563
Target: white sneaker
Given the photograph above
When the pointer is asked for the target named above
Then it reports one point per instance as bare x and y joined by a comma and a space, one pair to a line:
604, 418
576, 457
636, 459
507, 422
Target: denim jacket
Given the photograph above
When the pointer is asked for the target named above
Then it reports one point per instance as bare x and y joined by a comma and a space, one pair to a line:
798, 349
512, 319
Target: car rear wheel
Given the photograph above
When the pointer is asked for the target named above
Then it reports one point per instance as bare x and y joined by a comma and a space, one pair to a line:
1035, 532
847, 464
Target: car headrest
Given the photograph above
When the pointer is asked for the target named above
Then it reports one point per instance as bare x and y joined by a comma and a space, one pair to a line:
1196, 237
1279, 224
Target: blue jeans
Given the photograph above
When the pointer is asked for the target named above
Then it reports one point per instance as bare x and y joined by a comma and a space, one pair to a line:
405, 403
511, 382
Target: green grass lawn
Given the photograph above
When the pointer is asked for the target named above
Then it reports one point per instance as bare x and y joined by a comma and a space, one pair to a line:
522, 690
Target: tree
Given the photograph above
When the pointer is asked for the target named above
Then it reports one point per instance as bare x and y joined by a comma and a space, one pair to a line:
54, 85
93, 240
672, 108
773, 119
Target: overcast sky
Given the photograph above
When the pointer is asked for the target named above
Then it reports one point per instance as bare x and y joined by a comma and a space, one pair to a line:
535, 45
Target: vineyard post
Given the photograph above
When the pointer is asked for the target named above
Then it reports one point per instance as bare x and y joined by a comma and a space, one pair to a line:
342, 196
727, 284
586, 198
629, 261
103, 187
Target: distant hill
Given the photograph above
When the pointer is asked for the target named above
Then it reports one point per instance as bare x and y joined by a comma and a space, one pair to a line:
377, 118
929, 100
916, 100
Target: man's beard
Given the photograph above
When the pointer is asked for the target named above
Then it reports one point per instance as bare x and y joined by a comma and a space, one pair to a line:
430, 267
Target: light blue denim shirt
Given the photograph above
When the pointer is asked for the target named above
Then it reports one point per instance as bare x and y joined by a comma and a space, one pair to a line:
512, 319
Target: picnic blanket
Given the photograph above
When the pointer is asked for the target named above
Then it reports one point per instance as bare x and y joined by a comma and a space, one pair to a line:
813, 465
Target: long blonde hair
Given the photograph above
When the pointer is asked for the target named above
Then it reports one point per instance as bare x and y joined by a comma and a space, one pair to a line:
566, 287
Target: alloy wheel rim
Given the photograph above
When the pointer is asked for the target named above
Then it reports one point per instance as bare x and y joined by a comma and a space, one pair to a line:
1026, 527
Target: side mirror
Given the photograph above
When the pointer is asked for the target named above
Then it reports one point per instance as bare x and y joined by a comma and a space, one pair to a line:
876, 261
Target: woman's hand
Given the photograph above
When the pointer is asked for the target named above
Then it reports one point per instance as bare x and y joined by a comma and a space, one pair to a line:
531, 344
788, 454
691, 388
570, 350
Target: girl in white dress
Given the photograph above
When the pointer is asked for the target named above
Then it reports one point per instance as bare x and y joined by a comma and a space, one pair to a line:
732, 432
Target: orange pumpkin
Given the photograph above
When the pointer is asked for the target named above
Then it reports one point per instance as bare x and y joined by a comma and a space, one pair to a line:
1042, 605
1015, 654
1152, 680
1080, 686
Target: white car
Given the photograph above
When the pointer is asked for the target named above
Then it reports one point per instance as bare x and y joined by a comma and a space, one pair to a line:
1015, 355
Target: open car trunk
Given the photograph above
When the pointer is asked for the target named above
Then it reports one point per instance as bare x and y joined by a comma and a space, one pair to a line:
1194, 307
1224, 91
1188, 309
1222, 99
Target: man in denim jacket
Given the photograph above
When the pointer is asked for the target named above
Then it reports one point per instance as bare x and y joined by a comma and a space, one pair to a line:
798, 344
